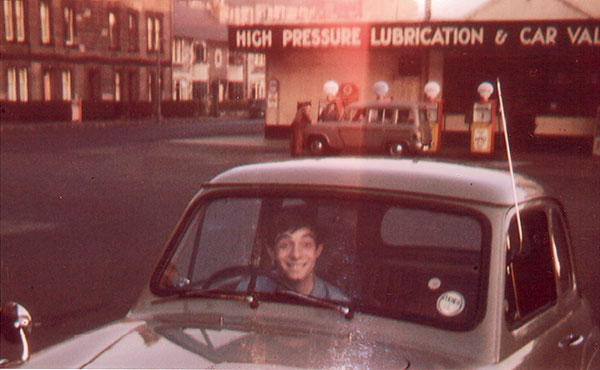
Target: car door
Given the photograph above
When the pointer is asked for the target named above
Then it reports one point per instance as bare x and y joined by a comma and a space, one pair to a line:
356, 134
546, 321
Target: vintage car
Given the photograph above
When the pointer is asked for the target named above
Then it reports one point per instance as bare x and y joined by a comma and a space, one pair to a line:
395, 127
414, 264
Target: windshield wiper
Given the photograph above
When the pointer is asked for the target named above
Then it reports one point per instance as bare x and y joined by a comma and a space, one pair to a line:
202, 293
344, 310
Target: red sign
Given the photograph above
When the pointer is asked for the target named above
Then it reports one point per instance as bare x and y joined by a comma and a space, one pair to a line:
534, 35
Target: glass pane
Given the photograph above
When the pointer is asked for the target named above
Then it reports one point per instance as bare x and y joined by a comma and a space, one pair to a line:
8, 21
45, 22
388, 260
407, 227
531, 266
563, 259
20, 17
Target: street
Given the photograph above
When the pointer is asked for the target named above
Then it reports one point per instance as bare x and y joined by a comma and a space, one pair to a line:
86, 212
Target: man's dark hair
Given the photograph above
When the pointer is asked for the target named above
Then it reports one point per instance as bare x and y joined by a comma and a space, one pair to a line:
292, 219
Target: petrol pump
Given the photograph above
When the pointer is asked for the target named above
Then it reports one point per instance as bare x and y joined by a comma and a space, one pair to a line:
331, 108
484, 121
434, 115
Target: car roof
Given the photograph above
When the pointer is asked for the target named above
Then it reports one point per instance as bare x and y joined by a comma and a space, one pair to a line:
427, 177
386, 104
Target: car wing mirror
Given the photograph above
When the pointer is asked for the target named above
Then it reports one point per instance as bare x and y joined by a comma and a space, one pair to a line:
15, 325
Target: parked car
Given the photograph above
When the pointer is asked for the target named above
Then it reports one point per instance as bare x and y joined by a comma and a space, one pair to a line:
413, 263
257, 109
394, 127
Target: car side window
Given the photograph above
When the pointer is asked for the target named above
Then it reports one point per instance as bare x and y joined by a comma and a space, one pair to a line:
375, 116
530, 280
564, 267
405, 116
388, 116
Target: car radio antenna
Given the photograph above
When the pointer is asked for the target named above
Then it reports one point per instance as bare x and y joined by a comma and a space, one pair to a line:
510, 164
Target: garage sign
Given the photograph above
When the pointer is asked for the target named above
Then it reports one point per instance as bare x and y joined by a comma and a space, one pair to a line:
538, 35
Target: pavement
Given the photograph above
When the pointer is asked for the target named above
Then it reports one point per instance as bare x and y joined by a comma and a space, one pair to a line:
567, 149
11, 126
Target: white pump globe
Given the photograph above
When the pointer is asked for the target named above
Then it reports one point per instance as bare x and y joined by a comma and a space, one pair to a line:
330, 88
432, 89
381, 88
485, 90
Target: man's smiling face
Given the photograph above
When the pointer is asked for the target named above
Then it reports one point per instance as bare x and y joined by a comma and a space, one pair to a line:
296, 253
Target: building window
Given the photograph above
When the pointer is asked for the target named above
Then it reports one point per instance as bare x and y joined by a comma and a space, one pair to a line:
113, 30
14, 20
236, 91
117, 86
9, 33
69, 26
17, 84
177, 90
45, 22
150, 86
23, 86
47, 86
132, 27
20, 18
154, 33
199, 90
11, 87
178, 50
235, 58
200, 53
218, 58
66, 85
259, 60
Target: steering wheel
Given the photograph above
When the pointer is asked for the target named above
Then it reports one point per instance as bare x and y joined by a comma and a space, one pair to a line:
227, 273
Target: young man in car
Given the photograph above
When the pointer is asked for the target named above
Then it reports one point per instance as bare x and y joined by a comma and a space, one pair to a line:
295, 251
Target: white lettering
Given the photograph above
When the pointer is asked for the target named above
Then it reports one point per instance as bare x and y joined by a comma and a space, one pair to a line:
335, 36
477, 37
287, 37
428, 36
346, 36
573, 35
438, 37
525, 40
425, 33
323, 37
551, 33
540, 36
409, 36
239, 38
464, 36
585, 37
296, 37
397, 37
355, 36
253, 38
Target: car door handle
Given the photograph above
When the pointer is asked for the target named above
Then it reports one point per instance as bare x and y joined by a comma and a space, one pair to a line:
571, 340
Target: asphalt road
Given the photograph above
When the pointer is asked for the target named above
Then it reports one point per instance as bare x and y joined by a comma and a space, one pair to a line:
85, 211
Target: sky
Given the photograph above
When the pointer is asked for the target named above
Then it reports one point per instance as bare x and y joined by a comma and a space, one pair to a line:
449, 8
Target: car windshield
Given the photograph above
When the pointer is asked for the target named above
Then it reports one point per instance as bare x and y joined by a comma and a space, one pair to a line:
396, 258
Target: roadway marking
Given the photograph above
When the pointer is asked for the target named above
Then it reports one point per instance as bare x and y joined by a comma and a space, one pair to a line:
12, 227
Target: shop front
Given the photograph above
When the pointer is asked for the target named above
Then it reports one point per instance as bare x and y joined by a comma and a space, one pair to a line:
548, 69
